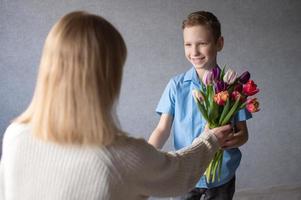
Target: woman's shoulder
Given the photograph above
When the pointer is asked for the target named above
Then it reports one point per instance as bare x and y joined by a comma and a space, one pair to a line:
124, 140
132, 145
15, 130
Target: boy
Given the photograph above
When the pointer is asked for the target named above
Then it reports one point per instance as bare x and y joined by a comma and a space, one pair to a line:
202, 42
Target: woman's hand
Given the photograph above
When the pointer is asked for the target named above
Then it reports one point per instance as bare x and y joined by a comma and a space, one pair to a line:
238, 137
222, 133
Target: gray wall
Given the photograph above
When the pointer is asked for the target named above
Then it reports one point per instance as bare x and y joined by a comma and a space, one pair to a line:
260, 36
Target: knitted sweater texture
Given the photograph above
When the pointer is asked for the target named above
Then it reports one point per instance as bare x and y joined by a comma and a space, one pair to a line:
130, 168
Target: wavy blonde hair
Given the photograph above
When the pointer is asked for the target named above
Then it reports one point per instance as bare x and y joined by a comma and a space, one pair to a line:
78, 82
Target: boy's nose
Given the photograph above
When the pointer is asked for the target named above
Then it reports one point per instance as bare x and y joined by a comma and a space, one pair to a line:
195, 51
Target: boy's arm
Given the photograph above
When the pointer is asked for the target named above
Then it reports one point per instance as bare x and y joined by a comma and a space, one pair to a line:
161, 132
239, 137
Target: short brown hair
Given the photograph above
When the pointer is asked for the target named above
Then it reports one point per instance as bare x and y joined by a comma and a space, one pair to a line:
203, 18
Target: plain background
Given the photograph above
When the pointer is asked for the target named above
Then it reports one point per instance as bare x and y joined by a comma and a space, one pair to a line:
262, 37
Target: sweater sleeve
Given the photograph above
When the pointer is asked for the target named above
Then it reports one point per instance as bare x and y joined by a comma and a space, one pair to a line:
174, 173
1, 181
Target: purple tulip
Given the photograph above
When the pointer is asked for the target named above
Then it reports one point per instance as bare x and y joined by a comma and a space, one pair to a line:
220, 86
244, 77
216, 73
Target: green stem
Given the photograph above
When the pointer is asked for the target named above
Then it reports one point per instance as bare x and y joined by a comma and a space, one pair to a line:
220, 165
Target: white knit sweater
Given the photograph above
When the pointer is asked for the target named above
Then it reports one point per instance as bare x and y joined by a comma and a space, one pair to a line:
129, 169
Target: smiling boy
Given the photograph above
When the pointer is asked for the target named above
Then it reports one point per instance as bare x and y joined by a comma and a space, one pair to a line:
179, 113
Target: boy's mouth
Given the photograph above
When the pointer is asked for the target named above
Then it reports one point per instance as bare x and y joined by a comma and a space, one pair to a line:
197, 60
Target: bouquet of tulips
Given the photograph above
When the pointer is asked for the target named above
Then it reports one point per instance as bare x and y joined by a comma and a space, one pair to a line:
222, 95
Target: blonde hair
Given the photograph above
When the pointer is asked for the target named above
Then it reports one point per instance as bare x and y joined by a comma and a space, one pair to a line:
78, 82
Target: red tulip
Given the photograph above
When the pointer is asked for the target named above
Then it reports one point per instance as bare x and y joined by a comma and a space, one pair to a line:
238, 87
252, 105
235, 95
250, 88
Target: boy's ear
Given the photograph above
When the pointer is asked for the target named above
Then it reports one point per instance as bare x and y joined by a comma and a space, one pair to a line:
220, 43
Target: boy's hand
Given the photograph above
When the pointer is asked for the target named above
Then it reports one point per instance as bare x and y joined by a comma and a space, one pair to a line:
223, 133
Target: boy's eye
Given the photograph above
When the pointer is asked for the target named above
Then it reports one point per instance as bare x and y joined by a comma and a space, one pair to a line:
187, 44
203, 43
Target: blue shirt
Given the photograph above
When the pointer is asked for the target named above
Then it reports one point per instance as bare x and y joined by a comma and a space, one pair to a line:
177, 100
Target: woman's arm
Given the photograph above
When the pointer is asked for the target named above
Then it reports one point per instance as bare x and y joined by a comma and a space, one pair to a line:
174, 173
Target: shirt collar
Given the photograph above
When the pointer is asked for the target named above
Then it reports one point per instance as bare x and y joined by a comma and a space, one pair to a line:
191, 75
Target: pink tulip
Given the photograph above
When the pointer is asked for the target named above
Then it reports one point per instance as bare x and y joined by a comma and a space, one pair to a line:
208, 78
252, 105
235, 95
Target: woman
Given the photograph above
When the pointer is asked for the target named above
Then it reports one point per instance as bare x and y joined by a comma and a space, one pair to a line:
66, 145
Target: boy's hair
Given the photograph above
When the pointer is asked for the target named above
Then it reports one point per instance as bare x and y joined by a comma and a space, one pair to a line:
78, 82
203, 18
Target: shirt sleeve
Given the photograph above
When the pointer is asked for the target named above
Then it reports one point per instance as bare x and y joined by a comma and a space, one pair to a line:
242, 115
166, 104
165, 174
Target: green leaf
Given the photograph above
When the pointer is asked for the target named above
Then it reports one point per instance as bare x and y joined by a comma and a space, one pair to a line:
212, 167
243, 105
223, 72
208, 93
216, 161
213, 112
231, 112
231, 88
206, 102
202, 110
208, 172
225, 111
220, 165
238, 108
213, 172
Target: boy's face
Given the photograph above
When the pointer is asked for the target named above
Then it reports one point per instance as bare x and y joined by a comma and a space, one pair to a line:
201, 47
